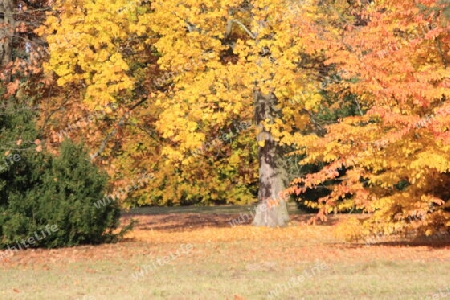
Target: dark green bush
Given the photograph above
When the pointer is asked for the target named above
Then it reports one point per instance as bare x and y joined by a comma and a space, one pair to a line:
42, 190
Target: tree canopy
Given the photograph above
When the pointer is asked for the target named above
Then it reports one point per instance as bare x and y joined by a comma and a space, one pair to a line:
227, 101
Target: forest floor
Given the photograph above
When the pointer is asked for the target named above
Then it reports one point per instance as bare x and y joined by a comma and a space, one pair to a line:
194, 253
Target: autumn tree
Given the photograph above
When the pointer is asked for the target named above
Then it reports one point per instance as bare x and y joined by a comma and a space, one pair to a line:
202, 47
395, 151
6, 31
256, 40
22, 83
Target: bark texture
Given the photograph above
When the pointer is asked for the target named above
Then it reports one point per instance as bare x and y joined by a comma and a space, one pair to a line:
6, 32
271, 210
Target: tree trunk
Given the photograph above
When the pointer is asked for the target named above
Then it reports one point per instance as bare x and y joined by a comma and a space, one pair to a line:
271, 210
6, 32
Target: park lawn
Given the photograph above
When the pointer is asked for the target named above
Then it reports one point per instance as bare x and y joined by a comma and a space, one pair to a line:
225, 262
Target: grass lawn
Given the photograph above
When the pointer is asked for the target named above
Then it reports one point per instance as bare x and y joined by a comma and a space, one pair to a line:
155, 261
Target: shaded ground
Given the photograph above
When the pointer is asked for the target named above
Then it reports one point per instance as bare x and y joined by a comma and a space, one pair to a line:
193, 218
190, 218
225, 262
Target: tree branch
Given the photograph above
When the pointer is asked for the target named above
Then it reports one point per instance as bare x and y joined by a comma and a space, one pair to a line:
229, 27
112, 133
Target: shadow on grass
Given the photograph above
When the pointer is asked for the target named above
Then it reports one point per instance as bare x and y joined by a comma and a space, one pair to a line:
196, 217
438, 241
433, 242
193, 217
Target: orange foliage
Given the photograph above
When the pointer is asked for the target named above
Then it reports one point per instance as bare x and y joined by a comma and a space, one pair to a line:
396, 152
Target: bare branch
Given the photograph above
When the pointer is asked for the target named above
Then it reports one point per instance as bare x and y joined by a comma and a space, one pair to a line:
253, 36
191, 27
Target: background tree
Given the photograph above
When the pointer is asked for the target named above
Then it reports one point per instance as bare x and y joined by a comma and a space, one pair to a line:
6, 31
